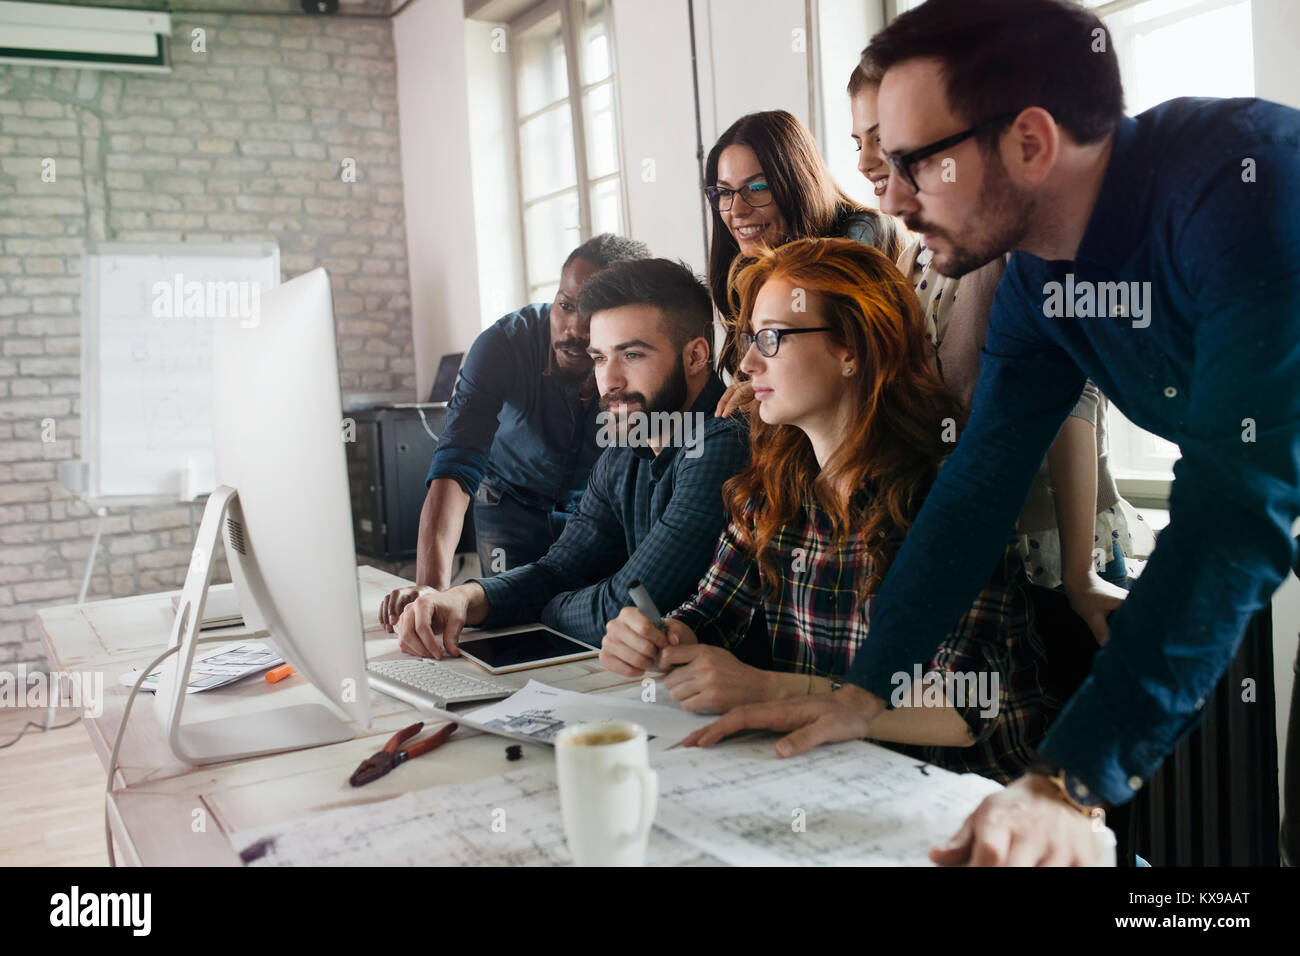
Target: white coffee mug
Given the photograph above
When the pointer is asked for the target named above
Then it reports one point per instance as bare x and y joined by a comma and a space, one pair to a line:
607, 792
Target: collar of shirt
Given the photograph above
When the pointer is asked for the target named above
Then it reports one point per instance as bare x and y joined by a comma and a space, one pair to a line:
706, 402
1118, 221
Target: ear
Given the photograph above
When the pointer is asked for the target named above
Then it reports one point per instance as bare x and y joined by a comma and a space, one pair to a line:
1031, 146
696, 355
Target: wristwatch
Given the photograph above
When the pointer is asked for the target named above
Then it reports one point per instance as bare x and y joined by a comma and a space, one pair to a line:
1073, 791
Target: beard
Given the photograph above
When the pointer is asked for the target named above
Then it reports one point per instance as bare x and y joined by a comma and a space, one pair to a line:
669, 397
568, 376
1003, 214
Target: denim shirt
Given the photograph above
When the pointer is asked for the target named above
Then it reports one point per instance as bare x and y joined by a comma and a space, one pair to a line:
523, 430
1200, 206
645, 517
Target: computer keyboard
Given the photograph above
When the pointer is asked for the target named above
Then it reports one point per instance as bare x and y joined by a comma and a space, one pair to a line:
427, 681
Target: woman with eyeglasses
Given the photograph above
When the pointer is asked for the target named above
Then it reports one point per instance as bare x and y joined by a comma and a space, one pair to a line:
767, 184
1075, 529
848, 436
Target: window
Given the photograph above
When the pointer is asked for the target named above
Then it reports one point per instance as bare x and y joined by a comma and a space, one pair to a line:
1170, 48
570, 171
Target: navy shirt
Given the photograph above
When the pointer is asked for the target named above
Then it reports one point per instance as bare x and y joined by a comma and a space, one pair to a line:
525, 431
1201, 201
645, 517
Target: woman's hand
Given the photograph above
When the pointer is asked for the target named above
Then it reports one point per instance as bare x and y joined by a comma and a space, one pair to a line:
1093, 599
631, 644
736, 396
708, 678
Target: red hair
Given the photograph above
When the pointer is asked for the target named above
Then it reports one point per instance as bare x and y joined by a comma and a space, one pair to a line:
894, 443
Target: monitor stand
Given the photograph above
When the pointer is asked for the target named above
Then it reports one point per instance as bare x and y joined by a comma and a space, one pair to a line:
229, 738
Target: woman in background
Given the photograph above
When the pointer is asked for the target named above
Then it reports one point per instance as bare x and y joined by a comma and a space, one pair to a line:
767, 185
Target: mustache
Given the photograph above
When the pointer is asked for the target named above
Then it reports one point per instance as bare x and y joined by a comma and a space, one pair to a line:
921, 226
629, 398
571, 345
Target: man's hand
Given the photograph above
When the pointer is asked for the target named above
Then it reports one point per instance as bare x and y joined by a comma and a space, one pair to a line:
1093, 598
807, 721
736, 396
390, 608
1027, 824
631, 644
430, 625
708, 678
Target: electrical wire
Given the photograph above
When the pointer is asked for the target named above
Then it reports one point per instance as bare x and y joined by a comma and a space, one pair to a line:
121, 730
425, 422
38, 727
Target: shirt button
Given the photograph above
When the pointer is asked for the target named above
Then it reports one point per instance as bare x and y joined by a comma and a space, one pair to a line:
1170, 391
1200, 703
1135, 783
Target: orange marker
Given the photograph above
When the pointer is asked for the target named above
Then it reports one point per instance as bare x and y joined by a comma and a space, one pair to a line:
279, 673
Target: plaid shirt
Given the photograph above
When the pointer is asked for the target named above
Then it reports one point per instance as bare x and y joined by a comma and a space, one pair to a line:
813, 629
647, 517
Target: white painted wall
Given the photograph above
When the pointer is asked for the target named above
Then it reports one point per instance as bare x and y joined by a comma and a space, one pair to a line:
754, 56
1276, 28
433, 106
652, 55
843, 28
494, 168
749, 58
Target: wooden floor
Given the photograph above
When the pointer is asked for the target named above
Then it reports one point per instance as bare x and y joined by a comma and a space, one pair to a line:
51, 793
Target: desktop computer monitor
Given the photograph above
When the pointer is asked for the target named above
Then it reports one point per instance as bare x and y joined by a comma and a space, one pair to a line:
283, 510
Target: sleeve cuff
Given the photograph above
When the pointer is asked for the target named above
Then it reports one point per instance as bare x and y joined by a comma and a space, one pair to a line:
497, 592
464, 466
1087, 741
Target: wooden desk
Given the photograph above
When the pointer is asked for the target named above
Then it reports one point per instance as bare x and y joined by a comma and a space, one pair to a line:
164, 812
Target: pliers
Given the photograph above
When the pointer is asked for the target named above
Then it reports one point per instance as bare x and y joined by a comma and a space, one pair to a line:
372, 768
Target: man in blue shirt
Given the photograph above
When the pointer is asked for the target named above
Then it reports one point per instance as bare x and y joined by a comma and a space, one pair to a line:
1158, 256
520, 434
653, 508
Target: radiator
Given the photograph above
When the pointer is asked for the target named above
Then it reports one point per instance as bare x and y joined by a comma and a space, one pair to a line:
1214, 801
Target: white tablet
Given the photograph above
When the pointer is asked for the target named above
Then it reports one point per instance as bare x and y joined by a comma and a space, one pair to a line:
517, 650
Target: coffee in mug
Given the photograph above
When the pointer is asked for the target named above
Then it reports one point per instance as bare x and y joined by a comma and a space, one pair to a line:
608, 792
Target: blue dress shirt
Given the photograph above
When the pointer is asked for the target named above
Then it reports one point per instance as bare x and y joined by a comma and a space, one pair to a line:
1199, 213
528, 432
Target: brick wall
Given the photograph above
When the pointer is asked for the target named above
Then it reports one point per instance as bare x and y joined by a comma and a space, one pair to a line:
242, 143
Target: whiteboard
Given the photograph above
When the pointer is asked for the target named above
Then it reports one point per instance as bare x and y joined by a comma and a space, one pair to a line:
147, 313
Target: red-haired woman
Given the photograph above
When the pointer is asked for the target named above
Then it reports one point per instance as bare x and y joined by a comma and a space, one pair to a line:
852, 423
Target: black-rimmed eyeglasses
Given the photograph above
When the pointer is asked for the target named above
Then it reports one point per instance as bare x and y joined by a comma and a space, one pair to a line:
758, 193
769, 340
902, 163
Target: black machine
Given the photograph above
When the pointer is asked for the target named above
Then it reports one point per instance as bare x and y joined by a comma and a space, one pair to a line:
388, 459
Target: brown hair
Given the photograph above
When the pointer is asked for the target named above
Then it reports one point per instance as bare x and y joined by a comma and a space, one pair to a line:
1004, 56
811, 202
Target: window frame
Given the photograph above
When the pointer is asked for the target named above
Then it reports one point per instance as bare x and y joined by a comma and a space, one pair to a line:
573, 17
